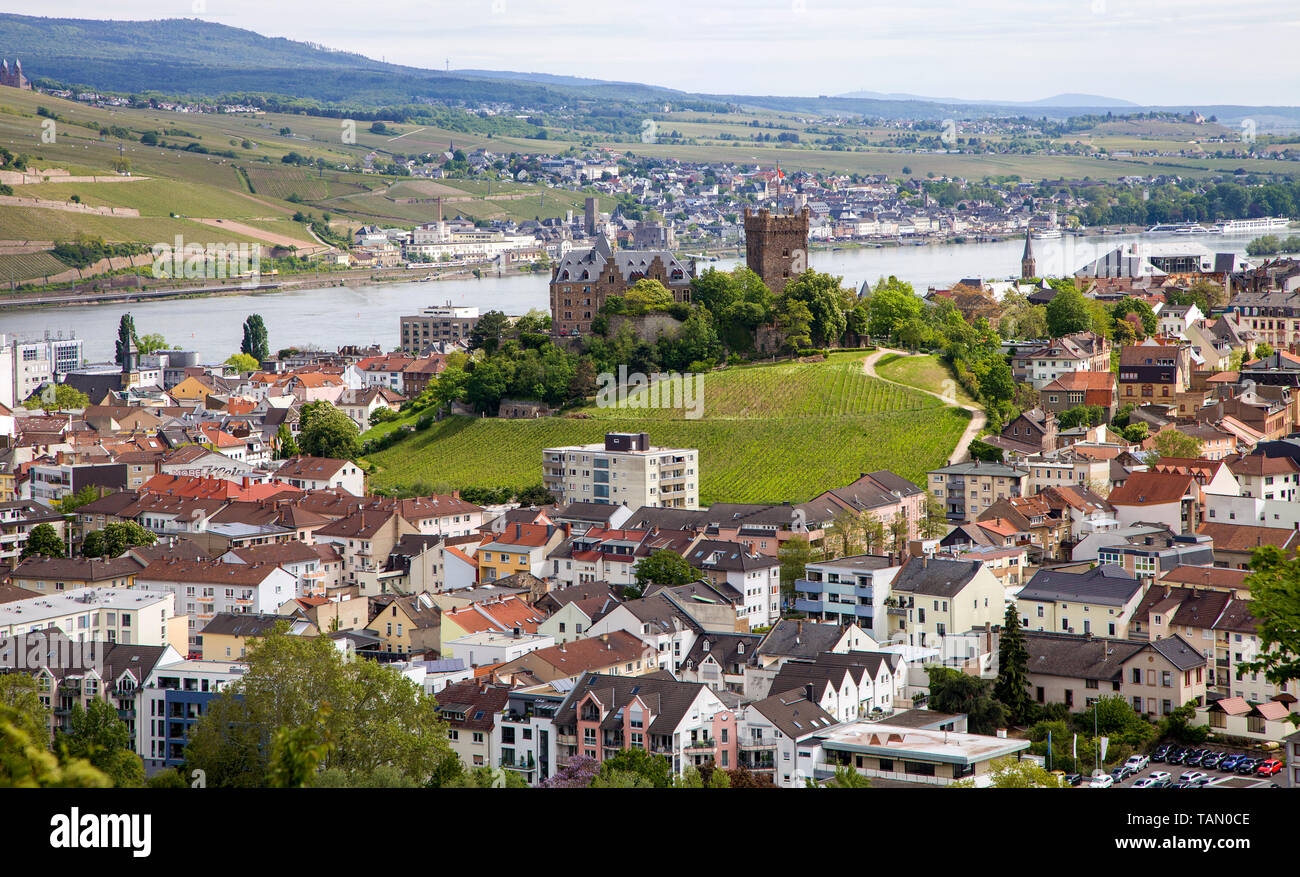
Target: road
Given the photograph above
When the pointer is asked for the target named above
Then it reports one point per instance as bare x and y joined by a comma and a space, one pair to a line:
977, 417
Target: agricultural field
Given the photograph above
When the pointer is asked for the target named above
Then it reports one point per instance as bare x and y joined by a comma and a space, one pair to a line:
155, 197
767, 434
28, 266
926, 372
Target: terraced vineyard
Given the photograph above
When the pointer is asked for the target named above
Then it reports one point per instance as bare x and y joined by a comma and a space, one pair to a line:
767, 434
26, 266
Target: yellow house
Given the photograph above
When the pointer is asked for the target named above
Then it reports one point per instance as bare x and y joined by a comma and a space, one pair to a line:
192, 389
226, 637
520, 548
407, 625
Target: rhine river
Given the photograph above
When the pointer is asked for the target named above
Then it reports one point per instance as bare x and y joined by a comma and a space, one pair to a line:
329, 317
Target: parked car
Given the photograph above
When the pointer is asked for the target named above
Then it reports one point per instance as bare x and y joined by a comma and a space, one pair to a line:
1268, 768
1137, 762
1193, 758
1104, 781
1214, 759
1230, 762
1074, 779
1145, 783
1175, 755
1163, 782
1196, 783
1122, 773
1248, 765
1193, 776
1162, 752
1160, 775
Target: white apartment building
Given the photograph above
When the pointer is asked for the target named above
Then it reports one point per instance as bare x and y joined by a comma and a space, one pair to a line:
26, 365
204, 588
624, 470
116, 615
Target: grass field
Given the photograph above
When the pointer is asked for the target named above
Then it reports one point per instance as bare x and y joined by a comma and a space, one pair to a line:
767, 434
927, 372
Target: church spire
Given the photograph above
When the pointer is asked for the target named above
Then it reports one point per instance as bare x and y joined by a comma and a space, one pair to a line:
1028, 266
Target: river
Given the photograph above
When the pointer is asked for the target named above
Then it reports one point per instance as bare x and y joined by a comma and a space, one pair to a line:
333, 316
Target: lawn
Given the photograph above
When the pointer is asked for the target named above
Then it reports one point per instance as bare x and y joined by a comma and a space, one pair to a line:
927, 372
768, 434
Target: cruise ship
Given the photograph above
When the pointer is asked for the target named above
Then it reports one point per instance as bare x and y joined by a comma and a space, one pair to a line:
1181, 228
1265, 223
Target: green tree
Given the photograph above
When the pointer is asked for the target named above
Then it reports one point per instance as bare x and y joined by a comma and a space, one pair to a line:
487, 385
243, 362
845, 778
1262, 351
44, 540
125, 338
152, 344
1177, 726
24, 763
296, 753
1068, 313
20, 696
952, 691
488, 332
935, 521
654, 771
794, 322
1012, 686
98, 735
1274, 583
794, 555
57, 397
1010, 773
1081, 415
892, 304
827, 301
375, 717
665, 567
286, 445
1172, 443
256, 342
325, 431
647, 295
74, 501
115, 539
1126, 306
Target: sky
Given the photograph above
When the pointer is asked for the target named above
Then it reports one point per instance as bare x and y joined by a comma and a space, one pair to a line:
1159, 52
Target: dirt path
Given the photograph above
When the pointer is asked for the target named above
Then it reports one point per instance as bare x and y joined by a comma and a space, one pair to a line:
977, 418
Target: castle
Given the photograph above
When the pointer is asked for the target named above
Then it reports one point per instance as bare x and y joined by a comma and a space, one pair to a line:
776, 246
584, 279
13, 77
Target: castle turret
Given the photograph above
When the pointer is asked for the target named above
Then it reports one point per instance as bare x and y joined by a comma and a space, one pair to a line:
776, 247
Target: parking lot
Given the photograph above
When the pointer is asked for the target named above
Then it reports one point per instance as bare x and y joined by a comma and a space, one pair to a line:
1176, 772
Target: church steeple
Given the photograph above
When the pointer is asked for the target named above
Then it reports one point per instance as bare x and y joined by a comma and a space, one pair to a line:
1028, 267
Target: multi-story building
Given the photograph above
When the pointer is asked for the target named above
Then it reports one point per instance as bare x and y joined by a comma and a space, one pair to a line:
848, 589
449, 323
524, 733
625, 470
583, 279
116, 615
756, 577
1099, 601
25, 366
684, 721
935, 599
1082, 351
173, 698
967, 489
1154, 372
776, 246
1156, 676
204, 588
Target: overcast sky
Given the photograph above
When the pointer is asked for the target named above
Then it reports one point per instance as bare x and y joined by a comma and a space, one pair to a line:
1146, 51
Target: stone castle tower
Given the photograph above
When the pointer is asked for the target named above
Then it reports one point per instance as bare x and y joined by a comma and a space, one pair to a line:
13, 76
776, 247
1028, 266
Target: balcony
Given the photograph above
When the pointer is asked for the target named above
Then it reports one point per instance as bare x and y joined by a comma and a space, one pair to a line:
701, 744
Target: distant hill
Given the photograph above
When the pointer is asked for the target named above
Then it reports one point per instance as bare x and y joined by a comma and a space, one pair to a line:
196, 58
1090, 101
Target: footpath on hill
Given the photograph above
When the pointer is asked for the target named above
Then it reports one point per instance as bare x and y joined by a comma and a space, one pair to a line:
977, 417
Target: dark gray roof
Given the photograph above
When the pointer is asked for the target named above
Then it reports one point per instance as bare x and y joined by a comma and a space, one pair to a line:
1085, 657
242, 624
804, 639
935, 577
794, 714
830, 668
668, 699
1107, 585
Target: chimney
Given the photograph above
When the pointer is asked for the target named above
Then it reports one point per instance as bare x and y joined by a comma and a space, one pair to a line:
808, 691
